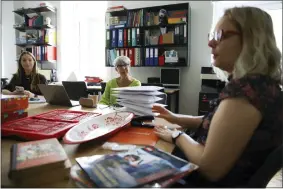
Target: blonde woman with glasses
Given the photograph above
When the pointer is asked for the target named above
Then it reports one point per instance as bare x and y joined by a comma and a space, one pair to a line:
232, 142
122, 66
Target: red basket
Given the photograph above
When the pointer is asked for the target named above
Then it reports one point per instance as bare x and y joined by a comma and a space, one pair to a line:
51, 124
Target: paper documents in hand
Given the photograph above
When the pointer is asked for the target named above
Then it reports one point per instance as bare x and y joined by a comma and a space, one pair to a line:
139, 88
139, 100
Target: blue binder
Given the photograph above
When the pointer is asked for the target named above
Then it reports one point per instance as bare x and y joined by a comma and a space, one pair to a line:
114, 38
120, 38
155, 57
147, 57
134, 37
151, 63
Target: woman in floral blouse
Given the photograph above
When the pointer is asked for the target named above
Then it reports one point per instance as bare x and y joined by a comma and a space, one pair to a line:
233, 140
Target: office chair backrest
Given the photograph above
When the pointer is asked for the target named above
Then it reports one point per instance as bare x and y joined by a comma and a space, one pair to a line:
271, 166
4, 82
75, 89
103, 85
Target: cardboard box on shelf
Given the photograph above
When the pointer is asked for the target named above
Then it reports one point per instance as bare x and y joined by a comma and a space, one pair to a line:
168, 38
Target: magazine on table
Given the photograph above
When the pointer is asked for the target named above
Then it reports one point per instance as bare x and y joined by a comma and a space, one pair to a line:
138, 167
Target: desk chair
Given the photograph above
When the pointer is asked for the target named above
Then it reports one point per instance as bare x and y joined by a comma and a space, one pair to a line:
4, 82
103, 85
75, 89
271, 166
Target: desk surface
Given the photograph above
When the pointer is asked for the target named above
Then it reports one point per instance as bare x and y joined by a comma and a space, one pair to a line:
73, 151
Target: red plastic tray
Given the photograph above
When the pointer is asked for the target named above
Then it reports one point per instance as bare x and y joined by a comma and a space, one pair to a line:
51, 124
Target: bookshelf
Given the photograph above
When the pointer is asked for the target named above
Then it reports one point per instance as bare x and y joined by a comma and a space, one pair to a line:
136, 33
37, 35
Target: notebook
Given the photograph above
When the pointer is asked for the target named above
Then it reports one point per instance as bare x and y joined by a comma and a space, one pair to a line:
139, 136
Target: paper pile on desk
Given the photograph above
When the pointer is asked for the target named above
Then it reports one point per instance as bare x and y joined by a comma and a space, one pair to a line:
138, 100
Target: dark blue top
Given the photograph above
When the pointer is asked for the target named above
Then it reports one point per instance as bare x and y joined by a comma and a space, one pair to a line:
265, 94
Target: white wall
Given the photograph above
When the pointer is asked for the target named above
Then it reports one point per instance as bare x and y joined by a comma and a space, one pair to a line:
8, 63
201, 21
10, 50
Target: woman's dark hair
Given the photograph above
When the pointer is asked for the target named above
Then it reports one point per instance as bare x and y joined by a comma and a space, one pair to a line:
34, 75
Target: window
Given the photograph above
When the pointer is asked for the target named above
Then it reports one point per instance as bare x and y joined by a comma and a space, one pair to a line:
276, 15
85, 54
274, 8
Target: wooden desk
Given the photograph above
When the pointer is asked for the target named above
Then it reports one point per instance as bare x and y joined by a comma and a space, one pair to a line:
73, 151
170, 93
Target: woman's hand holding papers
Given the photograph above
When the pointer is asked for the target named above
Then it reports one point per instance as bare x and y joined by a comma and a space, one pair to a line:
164, 113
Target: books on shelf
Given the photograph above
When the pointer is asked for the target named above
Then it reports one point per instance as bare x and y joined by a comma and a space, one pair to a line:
134, 54
142, 31
151, 18
135, 18
139, 167
44, 53
123, 37
116, 8
32, 162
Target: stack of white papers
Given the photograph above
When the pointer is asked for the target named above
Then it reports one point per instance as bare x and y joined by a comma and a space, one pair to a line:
138, 100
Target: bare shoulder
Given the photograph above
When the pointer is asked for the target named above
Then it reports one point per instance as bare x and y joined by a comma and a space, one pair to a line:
237, 108
234, 122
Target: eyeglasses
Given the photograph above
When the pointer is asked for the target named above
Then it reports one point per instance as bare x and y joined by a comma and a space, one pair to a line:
221, 34
122, 66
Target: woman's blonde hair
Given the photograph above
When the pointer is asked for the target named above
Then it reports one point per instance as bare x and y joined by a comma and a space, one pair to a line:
260, 53
34, 75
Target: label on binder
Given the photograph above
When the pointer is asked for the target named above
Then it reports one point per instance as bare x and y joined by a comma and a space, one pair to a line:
107, 35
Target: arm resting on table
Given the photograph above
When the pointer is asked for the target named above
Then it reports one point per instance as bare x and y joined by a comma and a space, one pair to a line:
231, 128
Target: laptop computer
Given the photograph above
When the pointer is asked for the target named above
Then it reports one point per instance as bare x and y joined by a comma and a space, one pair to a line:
56, 95
75, 89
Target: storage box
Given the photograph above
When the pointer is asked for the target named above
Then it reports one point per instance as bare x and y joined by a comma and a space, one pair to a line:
11, 103
168, 38
11, 116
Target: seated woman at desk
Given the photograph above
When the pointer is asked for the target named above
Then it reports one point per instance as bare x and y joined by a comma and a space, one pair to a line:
232, 142
122, 65
26, 77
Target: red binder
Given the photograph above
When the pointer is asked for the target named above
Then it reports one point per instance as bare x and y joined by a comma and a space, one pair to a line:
125, 38
132, 56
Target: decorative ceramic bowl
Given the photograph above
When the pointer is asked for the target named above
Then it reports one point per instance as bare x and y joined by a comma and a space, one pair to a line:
98, 127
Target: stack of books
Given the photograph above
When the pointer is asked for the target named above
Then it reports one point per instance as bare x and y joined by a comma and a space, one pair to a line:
141, 167
138, 100
38, 163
